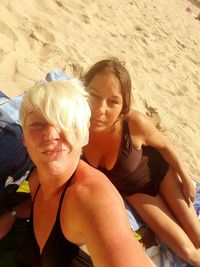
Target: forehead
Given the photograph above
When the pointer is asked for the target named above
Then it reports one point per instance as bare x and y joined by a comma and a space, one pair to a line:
106, 81
34, 116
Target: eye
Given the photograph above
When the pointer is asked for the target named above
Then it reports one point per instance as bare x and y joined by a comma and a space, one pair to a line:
114, 103
94, 95
37, 125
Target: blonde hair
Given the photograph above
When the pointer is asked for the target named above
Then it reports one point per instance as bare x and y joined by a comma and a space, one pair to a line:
63, 104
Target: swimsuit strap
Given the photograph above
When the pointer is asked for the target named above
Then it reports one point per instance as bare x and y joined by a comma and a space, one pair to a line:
62, 196
125, 127
35, 193
67, 184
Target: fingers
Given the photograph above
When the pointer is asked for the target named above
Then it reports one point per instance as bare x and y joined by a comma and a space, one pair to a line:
191, 201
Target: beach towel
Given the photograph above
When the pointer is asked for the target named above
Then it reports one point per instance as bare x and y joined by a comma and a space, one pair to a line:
15, 164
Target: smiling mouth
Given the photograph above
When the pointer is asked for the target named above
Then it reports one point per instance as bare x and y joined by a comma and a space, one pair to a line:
97, 121
52, 152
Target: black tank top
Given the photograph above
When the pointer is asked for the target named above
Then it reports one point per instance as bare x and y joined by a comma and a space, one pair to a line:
58, 251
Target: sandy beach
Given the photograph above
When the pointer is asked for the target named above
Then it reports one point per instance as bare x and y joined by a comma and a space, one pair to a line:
158, 40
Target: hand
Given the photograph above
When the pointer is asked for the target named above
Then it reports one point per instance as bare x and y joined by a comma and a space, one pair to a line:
23, 209
6, 222
189, 192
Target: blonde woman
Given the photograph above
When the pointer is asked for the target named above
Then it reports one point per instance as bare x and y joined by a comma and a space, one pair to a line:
75, 207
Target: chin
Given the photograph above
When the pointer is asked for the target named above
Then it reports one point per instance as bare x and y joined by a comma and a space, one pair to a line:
97, 128
55, 168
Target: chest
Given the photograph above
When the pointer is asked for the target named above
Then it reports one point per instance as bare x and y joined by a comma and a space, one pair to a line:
103, 151
47, 220
44, 218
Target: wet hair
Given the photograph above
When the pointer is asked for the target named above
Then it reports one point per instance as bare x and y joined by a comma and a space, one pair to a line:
114, 66
63, 104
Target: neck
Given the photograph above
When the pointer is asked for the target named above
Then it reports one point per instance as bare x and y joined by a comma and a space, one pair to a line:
51, 184
115, 129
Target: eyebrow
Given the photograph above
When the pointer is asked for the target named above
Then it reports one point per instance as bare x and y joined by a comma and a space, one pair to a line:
93, 89
116, 97
113, 96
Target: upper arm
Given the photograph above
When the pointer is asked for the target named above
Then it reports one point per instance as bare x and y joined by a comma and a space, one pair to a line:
142, 128
103, 222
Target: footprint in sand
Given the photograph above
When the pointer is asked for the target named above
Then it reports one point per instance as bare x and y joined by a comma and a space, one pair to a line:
59, 3
8, 32
49, 49
149, 55
182, 91
42, 34
153, 114
85, 19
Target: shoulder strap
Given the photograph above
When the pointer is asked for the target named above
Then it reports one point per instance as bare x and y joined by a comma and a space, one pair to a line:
36, 193
125, 127
63, 194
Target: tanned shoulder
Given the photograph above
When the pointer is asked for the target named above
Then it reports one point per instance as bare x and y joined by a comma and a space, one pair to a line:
138, 124
88, 178
137, 119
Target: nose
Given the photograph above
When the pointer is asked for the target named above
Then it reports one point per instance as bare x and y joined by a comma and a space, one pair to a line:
101, 108
51, 133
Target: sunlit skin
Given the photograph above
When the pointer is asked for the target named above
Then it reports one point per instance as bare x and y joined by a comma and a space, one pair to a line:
105, 124
70, 197
106, 101
173, 205
56, 162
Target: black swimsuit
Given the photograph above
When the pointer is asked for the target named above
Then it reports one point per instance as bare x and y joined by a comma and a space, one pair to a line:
136, 171
58, 251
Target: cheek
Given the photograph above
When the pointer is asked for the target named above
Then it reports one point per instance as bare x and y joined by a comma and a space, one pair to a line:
29, 141
93, 104
27, 144
115, 113
25, 140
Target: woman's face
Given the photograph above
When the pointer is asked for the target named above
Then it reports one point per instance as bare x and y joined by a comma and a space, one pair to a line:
106, 101
46, 144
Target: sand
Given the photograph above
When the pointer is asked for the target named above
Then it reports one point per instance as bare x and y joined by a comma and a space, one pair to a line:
158, 40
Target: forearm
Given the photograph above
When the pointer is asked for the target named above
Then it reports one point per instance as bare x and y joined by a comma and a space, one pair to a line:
8, 218
6, 222
23, 209
170, 155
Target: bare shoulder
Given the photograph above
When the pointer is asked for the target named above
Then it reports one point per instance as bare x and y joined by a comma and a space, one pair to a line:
90, 199
144, 132
92, 192
90, 182
139, 126
93, 198
137, 120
